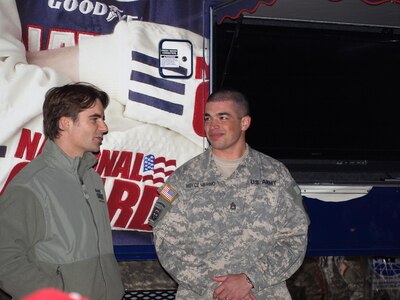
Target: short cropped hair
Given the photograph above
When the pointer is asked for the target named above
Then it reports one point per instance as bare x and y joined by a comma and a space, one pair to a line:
68, 101
232, 95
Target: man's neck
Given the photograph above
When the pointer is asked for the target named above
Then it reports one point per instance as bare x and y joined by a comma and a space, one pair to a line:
230, 154
228, 166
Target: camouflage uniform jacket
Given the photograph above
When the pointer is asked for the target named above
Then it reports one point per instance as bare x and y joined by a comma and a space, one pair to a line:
251, 222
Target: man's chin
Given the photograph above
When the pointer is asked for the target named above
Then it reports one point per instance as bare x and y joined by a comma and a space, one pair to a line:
95, 149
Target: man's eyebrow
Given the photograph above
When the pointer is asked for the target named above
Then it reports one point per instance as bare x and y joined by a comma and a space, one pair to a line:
223, 114
219, 114
96, 115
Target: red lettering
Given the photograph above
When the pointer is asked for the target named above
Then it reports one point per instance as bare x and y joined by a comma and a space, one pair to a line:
202, 92
14, 171
56, 38
109, 166
27, 145
136, 167
123, 165
123, 197
133, 212
106, 163
143, 210
201, 66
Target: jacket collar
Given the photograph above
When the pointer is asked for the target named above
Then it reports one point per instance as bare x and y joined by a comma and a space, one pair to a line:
60, 159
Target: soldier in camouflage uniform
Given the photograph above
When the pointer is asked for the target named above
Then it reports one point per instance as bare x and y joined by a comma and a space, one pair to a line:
230, 224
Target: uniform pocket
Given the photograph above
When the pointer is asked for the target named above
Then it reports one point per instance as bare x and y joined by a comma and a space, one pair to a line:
206, 225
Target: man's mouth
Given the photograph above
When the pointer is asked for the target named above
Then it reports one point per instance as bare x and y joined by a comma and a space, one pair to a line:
215, 135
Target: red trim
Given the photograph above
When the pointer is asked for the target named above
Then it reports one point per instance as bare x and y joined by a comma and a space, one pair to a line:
269, 3
372, 2
380, 2
272, 2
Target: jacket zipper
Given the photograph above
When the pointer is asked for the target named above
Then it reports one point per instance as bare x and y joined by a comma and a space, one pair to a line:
60, 274
86, 194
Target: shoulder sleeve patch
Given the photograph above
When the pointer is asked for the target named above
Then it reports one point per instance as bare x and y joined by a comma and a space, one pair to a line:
163, 204
168, 193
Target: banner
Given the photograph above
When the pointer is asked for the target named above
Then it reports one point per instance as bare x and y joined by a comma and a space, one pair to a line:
116, 46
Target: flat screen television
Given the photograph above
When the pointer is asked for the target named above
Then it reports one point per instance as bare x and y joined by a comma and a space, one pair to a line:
321, 97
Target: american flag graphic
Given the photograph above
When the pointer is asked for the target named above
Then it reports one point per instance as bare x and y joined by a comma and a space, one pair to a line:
157, 169
168, 193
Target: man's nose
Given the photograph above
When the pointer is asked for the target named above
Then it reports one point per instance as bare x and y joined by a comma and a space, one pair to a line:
214, 123
103, 127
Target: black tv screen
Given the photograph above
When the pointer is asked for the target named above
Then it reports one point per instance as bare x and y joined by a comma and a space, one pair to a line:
316, 93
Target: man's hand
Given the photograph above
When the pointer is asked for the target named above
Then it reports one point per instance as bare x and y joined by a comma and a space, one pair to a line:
233, 287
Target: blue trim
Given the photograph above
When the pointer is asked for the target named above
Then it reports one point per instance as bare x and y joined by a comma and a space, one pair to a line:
135, 252
367, 226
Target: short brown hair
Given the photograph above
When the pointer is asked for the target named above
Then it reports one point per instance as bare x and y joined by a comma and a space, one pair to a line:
68, 101
232, 95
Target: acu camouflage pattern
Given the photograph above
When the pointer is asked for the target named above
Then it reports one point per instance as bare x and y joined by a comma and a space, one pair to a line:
251, 222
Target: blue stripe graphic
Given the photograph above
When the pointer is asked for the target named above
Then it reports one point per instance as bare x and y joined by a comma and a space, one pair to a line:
180, 70
156, 102
145, 59
154, 62
3, 151
168, 85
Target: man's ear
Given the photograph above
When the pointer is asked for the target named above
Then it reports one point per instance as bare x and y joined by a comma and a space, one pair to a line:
246, 120
65, 123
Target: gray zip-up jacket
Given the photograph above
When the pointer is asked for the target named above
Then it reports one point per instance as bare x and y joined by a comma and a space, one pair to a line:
55, 229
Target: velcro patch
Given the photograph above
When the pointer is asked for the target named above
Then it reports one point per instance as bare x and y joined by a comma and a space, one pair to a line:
168, 193
297, 190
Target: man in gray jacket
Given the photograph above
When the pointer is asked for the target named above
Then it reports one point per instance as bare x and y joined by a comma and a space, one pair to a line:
54, 224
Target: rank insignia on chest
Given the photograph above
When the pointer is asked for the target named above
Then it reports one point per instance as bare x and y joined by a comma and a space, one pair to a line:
233, 206
168, 193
